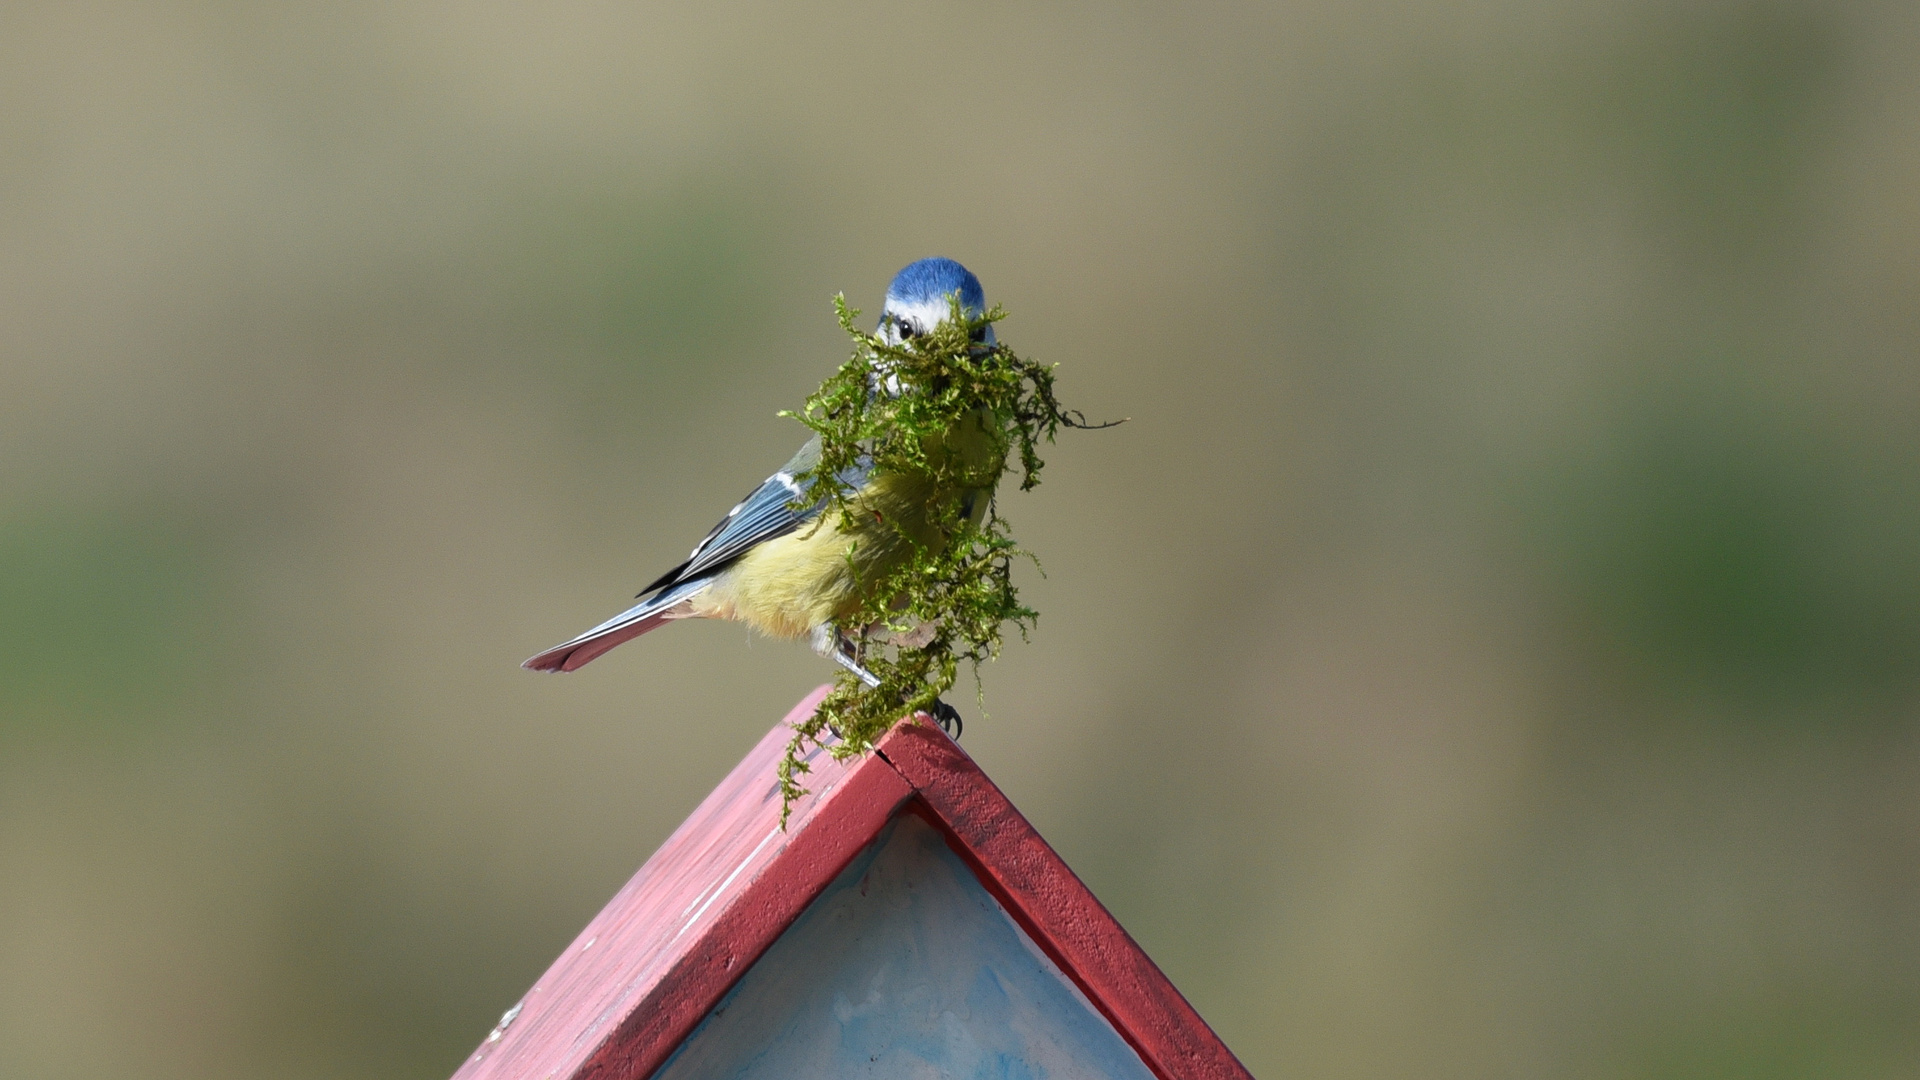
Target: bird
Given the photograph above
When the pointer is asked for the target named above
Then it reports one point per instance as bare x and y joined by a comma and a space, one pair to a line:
775, 564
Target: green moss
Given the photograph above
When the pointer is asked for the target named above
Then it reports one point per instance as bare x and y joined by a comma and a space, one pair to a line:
956, 593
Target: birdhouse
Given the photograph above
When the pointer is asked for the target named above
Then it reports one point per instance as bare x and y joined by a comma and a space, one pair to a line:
907, 922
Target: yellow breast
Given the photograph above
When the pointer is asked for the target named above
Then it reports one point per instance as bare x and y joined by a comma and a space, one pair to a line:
816, 574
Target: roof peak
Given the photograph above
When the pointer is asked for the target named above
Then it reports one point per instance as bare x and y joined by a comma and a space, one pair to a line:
645, 973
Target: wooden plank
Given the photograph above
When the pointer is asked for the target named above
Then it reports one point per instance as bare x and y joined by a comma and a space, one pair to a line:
1031, 880
647, 969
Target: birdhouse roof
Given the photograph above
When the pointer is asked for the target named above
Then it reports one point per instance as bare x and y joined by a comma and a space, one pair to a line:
635, 985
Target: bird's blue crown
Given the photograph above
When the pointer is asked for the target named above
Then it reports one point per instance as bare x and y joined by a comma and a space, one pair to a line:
934, 280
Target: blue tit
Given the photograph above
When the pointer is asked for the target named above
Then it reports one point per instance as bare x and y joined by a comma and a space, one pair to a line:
794, 573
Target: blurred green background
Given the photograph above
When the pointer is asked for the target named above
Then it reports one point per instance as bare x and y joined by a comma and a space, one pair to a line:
1491, 650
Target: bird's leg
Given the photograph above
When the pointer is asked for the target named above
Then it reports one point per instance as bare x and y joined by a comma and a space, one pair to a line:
845, 659
846, 653
852, 651
828, 641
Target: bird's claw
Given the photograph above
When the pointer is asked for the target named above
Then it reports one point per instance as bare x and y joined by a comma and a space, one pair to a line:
948, 718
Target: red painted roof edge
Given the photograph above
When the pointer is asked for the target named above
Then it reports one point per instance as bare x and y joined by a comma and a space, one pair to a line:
562, 1036
670, 944
1055, 908
821, 847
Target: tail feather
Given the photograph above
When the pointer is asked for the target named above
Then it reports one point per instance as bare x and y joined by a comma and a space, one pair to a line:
624, 627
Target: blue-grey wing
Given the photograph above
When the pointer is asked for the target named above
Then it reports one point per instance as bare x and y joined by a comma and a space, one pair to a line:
769, 511
765, 514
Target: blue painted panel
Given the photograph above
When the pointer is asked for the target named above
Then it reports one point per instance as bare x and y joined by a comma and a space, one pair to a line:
905, 967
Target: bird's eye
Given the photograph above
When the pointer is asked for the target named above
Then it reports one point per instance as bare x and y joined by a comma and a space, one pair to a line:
905, 328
